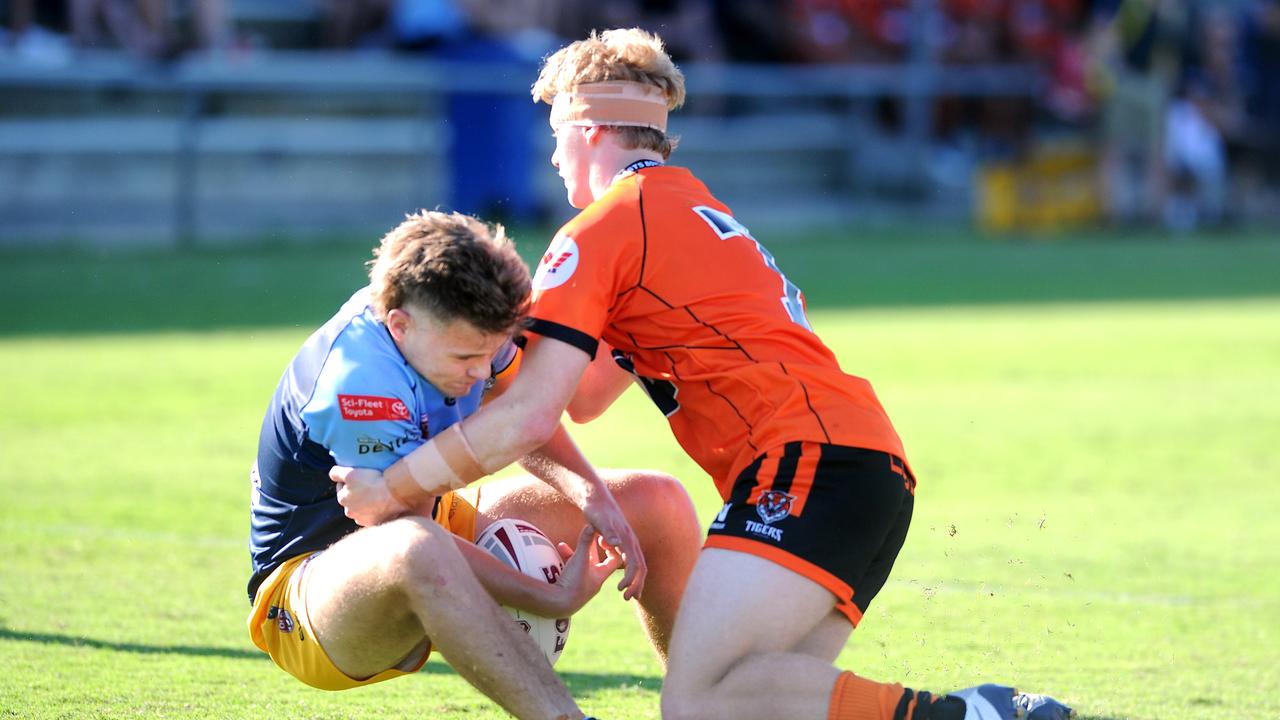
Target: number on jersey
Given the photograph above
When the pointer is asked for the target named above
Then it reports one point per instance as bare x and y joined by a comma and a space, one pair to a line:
727, 226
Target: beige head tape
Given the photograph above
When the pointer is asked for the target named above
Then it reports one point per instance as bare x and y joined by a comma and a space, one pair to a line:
611, 103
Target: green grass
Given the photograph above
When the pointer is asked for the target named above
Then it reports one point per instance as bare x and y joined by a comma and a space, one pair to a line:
1094, 422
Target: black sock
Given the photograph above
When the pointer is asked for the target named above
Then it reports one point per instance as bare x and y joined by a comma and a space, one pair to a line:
928, 707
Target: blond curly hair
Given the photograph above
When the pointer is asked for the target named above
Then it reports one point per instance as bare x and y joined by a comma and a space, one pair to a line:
621, 54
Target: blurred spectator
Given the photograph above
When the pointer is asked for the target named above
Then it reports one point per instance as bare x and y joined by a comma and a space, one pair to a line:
492, 148
1051, 35
824, 31
886, 27
687, 27
348, 23
751, 31
130, 24
147, 27
1259, 151
1139, 46
1205, 116
34, 32
490, 133
19, 16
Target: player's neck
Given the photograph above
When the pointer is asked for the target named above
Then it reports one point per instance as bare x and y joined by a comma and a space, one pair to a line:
614, 164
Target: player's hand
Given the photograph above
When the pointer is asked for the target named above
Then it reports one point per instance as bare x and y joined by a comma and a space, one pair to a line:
584, 571
603, 514
364, 496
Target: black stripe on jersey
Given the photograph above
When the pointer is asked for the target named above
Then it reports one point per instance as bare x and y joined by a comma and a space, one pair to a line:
656, 296
675, 371
644, 235
664, 348
716, 330
821, 425
787, 467
565, 334
750, 429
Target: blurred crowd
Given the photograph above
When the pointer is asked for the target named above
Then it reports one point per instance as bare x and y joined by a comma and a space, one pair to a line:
1181, 96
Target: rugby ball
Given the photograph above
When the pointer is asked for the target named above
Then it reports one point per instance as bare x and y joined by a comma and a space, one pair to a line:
522, 546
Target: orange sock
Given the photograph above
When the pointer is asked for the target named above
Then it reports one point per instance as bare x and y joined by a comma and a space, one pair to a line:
856, 698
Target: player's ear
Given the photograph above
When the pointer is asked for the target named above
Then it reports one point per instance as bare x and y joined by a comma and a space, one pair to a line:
593, 133
398, 322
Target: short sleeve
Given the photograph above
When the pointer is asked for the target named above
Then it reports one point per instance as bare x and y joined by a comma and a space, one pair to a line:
588, 266
362, 411
505, 359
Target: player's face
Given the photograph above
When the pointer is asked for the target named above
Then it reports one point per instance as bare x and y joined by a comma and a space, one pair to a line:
572, 159
452, 355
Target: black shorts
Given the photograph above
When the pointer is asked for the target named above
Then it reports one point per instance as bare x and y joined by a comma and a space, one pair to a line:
837, 515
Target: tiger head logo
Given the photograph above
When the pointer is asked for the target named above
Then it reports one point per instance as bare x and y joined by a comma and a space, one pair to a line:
774, 505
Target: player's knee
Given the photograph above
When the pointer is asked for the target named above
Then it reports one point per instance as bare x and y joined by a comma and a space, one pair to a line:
667, 499
655, 494
419, 550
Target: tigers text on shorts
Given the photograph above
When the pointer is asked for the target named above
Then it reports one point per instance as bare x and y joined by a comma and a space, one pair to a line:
836, 515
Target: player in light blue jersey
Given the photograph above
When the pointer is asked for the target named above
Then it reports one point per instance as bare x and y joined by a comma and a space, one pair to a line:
404, 360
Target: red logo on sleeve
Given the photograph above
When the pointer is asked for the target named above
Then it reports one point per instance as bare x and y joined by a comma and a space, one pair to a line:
372, 407
558, 264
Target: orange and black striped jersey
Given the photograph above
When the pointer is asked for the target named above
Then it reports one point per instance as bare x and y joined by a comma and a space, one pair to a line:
699, 311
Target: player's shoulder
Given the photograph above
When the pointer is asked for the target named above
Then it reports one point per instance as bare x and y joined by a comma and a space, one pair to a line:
622, 210
363, 360
616, 210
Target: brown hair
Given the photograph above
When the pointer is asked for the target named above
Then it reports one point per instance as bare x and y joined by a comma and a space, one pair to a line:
454, 266
623, 54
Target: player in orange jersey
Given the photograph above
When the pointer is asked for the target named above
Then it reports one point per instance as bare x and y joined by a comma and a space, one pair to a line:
655, 281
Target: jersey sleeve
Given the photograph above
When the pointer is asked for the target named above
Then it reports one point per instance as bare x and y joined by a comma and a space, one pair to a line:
588, 266
505, 361
363, 412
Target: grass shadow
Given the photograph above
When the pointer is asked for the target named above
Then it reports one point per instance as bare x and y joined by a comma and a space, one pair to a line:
139, 648
579, 683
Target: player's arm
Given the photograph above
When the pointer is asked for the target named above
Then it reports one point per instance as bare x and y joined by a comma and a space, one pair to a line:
522, 419
584, 572
560, 464
602, 383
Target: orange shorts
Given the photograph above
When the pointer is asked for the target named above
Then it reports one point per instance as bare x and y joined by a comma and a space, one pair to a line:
280, 626
836, 515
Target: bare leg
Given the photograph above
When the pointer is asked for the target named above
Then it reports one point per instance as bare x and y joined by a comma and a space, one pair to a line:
656, 506
753, 640
374, 596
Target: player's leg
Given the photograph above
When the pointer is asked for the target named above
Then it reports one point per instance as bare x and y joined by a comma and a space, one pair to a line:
658, 509
802, 545
375, 595
807, 539
732, 653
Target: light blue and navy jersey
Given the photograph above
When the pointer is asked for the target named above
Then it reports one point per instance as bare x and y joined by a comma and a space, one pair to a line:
347, 398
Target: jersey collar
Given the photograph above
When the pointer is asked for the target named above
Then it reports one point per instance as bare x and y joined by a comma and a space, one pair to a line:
635, 167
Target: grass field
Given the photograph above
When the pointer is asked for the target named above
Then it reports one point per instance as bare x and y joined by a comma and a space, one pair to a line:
1095, 423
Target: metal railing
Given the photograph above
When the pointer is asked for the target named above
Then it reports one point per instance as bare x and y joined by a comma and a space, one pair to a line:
192, 83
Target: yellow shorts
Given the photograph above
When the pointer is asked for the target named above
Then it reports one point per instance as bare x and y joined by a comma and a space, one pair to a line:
279, 625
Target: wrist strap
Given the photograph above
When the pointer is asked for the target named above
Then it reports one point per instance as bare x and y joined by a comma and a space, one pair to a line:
458, 455
445, 463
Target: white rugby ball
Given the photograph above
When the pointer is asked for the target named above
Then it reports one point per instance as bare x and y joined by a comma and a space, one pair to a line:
522, 546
